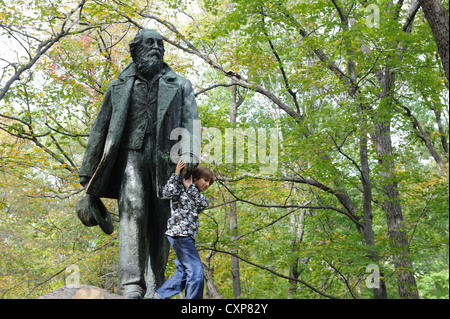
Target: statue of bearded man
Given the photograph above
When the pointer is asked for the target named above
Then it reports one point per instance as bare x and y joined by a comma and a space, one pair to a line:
130, 156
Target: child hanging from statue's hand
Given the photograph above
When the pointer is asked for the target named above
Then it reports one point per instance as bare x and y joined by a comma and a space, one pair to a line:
186, 203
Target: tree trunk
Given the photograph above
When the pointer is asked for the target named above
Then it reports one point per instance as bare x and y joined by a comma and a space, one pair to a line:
391, 205
379, 291
296, 229
437, 115
212, 292
235, 269
437, 18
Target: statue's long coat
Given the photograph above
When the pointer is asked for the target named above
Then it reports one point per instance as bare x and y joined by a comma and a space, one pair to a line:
176, 108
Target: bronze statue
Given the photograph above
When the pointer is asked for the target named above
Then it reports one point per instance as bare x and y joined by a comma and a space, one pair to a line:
130, 157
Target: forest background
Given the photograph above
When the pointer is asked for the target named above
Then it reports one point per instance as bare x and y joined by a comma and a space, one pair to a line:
347, 198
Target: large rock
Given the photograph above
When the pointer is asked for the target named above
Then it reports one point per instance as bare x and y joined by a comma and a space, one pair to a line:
80, 292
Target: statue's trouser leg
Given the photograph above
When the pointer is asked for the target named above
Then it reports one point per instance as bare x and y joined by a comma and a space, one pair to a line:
143, 220
133, 225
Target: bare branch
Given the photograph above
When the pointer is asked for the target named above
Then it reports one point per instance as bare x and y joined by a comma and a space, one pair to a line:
213, 87
191, 49
64, 268
281, 67
43, 47
271, 271
339, 195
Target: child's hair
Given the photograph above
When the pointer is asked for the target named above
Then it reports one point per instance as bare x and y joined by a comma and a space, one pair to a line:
203, 172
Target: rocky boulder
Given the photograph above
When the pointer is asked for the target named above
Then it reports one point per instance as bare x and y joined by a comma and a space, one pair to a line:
80, 292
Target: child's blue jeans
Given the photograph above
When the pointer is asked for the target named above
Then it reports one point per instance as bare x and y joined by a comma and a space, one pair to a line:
189, 273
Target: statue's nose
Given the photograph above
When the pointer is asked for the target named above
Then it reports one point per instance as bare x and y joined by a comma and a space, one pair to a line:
154, 45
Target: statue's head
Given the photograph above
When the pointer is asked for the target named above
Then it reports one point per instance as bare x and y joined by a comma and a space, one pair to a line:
147, 51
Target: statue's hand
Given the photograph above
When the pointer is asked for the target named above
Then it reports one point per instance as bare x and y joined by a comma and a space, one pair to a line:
84, 180
191, 164
189, 169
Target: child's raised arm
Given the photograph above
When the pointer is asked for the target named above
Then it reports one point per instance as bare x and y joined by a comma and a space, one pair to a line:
179, 167
173, 187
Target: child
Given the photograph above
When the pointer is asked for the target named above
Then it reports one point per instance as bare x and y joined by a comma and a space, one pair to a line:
186, 204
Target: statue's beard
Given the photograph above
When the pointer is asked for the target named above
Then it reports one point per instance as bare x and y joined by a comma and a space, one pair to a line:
148, 63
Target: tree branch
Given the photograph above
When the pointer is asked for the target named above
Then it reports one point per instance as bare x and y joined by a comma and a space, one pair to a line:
202, 91
191, 49
63, 269
43, 47
340, 196
280, 66
422, 134
271, 271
